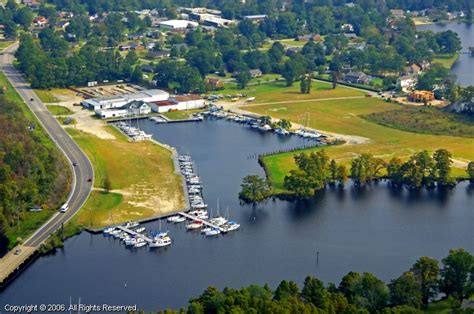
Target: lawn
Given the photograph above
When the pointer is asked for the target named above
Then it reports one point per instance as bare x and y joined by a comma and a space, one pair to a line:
181, 114
293, 42
58, 110
141, 175
344, 117
5, 44
278, 91
446, 60
46, 96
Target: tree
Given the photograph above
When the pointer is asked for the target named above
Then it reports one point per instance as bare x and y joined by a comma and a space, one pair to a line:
107, 185
341, 175
448, 42
24, 17
242, 78
457, 274
286, 289
426, 272
333, 171
254, 189
334, 79
405, 290
303, 85
470, 171
442, 167
314, 292
298, 183
395, 171
292, 70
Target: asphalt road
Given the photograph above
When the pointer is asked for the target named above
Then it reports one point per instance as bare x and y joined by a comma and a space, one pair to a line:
83, 171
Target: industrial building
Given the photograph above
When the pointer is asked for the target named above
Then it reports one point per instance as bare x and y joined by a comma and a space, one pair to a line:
182, 102
118, 101
177, 24
134, 108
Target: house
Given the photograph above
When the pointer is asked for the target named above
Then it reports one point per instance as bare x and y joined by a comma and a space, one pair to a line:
356, 78
135, 36
350, 36
177, 25
309, 37
255, 73
40, 21
214, 83
356, 45
397, 13
292, 50
347, 28
158, 54
63, 24
65, 15
133, 108
136, 46
421, 96
125, 47
30, 3
147, 68
407, 82
413, 69
255, 18
178, 102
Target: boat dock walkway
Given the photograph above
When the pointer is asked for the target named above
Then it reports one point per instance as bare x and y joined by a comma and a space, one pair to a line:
135, 234
205, 222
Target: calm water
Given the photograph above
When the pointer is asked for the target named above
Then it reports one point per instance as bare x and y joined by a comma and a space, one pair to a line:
376, 229
464, 66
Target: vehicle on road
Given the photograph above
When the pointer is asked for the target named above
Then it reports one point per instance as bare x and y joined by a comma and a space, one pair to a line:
17, 252
31, 99
64, 208
74, 164
89, 180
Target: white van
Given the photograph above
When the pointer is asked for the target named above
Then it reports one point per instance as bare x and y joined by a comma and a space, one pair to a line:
64, 208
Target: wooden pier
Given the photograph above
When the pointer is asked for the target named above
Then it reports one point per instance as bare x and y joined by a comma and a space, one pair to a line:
205, 222
135, 234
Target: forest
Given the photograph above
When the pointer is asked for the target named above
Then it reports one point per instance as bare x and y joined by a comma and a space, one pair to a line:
31, 172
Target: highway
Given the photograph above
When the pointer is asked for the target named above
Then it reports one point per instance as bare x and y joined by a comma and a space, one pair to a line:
82, 172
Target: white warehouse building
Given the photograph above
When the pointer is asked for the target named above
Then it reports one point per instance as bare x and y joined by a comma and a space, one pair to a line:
134, 108
177, 24
182, 102
114, 102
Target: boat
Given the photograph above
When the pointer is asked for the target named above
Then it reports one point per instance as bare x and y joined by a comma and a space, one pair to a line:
172, 218
108, 230
160, 242
194, 225
140, 230
281, 131
207, 229
232, 225
130, 242
212, 232
265, 127
180, 219
131, 224
199, 205
140, 244
218, 221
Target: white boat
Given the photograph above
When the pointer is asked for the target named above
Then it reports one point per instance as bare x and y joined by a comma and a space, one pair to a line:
140, 244
212, 232
130, 242
207, 229
232, 225
265, 127
131, 224
107, 231
281, 131
160, 242
194, 225
140, 230
218, 221
180, 219
172, 218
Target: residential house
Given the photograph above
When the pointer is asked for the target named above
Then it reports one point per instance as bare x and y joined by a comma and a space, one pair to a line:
356, 78
40, 21
147, 68
347, 28
158, 54
214, 83
397, 13
407, 82
255, 73
30, 3
255, 18
63, 24
413, 69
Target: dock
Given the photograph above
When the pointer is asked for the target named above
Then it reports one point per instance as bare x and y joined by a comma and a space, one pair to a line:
204, 221
135, 234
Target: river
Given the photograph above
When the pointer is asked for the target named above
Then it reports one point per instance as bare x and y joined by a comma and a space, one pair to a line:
375, 229
463, 67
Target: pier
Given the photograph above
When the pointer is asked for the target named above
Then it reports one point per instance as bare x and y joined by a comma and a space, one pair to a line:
204, 222
135, 234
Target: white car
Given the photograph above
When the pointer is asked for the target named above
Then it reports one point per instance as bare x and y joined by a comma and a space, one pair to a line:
64, 208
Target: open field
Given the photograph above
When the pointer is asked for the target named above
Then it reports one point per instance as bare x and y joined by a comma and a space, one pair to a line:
58, 110
180, 115
46, 96
141, 176
5, 44
344, 116
446, 60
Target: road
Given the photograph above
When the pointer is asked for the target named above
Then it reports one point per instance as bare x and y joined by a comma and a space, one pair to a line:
82, 172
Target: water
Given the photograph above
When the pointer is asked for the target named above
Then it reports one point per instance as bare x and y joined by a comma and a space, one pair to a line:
464, 66
376, 229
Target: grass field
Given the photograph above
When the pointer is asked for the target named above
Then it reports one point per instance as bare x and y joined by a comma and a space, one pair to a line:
5, 44
344, 117
180, 115
46, 96
142, 180
446, 60
59, 110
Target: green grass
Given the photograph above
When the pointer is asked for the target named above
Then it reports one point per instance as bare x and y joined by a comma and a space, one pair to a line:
29, 222
5, 44
59, 110
46, 96
293, 42
345, 117
181, 114
426, 120
142, 173
446, 60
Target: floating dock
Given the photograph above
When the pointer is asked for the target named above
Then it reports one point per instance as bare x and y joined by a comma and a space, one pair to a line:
204, 222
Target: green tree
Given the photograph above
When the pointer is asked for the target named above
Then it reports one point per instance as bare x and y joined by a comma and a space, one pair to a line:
456, 274
470, 170
254, 189
395, 171
242, 78
333, 171
341, 175
442, 167
405, 290
286, 289
426, 271
314, 292
303, 85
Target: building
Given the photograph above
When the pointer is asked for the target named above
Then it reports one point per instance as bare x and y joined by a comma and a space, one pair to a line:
255, 73
212, 20
347, 28
413, 69
40, 21
181, 102
309, 37
407, 82
421, 96
357, 78
397, 13
214, 83
133, 108
177, 25
114, 102
63, 24
255, 18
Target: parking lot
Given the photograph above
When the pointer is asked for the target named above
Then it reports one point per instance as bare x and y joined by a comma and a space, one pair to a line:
108, 90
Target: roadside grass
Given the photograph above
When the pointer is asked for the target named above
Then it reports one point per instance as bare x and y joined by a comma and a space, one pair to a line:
344, 117
181, 114
141, 173
46, 96
29, 223
59, 110
278, 91
5, 44
446, 60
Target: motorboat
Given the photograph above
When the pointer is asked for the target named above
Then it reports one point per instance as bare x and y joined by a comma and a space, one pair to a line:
232, 225
107, 231
140, 243
199, 205
212, 232
207, 229
172, 218
131, 224
218, 221
130, 242
160, 242
194, 225
281, 131
180, 219
265, 127
140, 230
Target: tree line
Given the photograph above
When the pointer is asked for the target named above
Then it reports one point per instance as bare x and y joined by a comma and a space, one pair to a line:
315, 171
410, 293
32, 172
